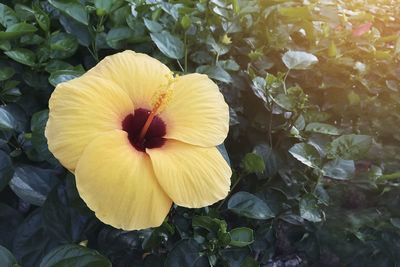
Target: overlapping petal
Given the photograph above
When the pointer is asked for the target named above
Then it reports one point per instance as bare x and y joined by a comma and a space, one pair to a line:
192, 176
197, 113
80, 110
118, 183
138, 74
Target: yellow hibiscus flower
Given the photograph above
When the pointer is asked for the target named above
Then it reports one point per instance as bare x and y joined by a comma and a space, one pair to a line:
138, 139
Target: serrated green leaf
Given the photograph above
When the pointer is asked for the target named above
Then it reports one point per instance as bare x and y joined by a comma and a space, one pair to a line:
170, 45
339, 169
152, 25
229, 65
248, 205
322, 128
298, 60
309, 209
215, 72
118, 36
307, 154
349, 147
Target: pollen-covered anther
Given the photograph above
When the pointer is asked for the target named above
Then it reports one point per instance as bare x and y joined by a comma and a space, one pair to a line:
161, 99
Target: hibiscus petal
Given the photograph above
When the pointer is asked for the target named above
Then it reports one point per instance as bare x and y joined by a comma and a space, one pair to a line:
197, 113
118, 183
138, 74
192, 176
81, 109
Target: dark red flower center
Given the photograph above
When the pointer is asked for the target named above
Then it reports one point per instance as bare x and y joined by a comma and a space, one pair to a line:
133, 125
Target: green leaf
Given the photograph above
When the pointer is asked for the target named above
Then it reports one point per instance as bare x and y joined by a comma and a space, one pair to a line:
6, 170
61, 76
234, 256
296, 12
170, 45
24, 13
395, 222
74, 255
79, 30
39, 141
271, 157
104, 4
186, 253
72, 8
298, 60
6, 73
32, 242
10, 219
309, 209
117, 37
7, 121
152, 25
10, 92
42, 18
60, 220
350, 147
17, 30
339, 169
215, 72
221, 148
253, 163
63, 45
33, 184
23, 56
322, 128
250, 262
210, 224
241, 236
250, 206
6, 258
8, 16
55, 65
285, 102
229, 65
307, 154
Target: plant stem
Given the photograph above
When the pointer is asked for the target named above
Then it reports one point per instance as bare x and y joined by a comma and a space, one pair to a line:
394, 175
292, 122
317, 183
270, 124
284, 81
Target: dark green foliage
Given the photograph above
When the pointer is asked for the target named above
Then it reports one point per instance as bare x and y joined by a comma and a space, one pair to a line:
314, 104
